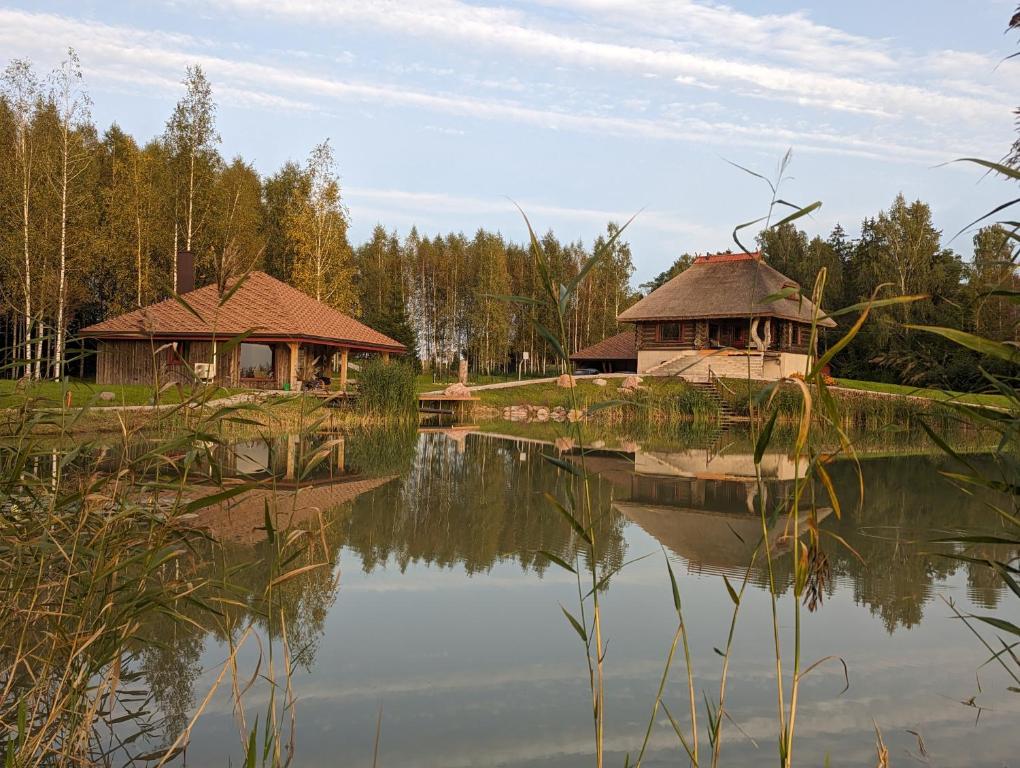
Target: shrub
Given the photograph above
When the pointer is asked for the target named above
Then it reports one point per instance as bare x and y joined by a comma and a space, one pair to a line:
386, 388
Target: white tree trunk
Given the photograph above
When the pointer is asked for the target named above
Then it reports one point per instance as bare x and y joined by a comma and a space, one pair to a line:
58, 353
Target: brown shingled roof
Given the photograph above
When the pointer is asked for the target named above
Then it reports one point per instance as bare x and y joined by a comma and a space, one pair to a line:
622, 346
272, 308
724, 285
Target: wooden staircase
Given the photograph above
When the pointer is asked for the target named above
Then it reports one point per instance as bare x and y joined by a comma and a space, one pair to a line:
711, 390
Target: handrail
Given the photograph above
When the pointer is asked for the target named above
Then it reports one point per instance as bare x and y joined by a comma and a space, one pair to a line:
714, 379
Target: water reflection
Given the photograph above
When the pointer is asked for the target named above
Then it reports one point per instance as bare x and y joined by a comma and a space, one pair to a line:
440, 538
703, 506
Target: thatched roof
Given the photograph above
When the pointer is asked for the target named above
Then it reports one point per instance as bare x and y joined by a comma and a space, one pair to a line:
724, 285
622, 346
276, 311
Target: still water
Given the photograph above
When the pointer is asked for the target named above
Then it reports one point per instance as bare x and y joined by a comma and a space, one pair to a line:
442, 615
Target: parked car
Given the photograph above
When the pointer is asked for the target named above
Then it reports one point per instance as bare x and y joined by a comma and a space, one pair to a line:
586, 372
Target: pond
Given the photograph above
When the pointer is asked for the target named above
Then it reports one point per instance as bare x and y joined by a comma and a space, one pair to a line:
437, 639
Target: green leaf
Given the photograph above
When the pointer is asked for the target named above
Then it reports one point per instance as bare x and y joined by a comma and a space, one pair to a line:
729, 588
807, 209
556, 559
595, 258
571, 520
270, 529
744, 226
177, 297
217, 498
875, 303
676, 589
233, 289
998, 623
977, 343
1004, 170
553, 341
753, 173
566, 466
576, 625
764, 438
785, 293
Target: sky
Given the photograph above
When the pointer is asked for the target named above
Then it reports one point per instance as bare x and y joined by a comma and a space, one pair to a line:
443, 113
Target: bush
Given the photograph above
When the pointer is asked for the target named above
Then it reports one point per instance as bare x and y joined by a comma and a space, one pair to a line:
387, 388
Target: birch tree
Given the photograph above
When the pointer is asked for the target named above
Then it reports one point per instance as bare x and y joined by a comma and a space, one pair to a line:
317, 223
69, 96
191, 140
21, 92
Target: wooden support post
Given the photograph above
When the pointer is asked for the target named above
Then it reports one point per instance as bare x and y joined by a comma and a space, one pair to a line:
385, 357
343, 369
295, 385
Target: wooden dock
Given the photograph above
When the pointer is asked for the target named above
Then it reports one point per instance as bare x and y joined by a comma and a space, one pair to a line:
333, 399
440, 404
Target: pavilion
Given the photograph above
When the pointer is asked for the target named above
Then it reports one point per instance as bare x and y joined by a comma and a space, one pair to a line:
286, 337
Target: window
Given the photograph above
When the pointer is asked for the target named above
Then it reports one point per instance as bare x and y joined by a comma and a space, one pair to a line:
256, 361
669, 331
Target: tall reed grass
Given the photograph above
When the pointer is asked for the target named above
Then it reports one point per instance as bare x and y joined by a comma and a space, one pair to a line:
97, 537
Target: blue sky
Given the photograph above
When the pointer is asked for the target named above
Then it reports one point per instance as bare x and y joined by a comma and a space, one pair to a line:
581, 110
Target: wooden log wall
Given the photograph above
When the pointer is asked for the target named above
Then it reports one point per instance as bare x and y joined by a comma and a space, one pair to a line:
133, 362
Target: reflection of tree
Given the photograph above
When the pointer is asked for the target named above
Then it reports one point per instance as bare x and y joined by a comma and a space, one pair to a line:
707, 520
474, 508
906, 506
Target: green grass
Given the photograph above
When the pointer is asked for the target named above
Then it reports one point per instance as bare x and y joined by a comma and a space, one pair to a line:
932, 394
669, 396
549, 394
51, 393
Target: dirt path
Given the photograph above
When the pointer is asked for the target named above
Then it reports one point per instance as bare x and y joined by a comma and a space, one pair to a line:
526, 382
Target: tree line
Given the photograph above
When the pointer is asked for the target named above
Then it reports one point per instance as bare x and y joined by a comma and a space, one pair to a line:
901, 253
91, 225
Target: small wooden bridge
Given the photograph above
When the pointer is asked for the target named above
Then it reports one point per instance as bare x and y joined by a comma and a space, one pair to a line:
441, 404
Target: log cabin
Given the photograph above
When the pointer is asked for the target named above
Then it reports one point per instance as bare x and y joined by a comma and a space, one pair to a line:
288, 337
727, 315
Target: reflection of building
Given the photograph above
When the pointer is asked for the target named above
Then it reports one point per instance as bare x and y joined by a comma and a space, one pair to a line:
298, 477
701, 505
242, 518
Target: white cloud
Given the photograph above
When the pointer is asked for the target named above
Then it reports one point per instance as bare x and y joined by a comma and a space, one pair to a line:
389, 200
152, 59
790, 36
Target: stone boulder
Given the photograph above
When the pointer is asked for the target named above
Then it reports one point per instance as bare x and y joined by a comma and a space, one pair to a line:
575, 415
600, 382
107, 397
457, 390
566, 381
559, 413
542, 414
564, 444
632, 383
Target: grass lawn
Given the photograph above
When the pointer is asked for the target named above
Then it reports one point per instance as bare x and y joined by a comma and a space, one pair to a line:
51, 393
999, 401
551, 395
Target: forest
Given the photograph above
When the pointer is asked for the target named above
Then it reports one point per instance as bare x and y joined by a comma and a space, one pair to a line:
91, 224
